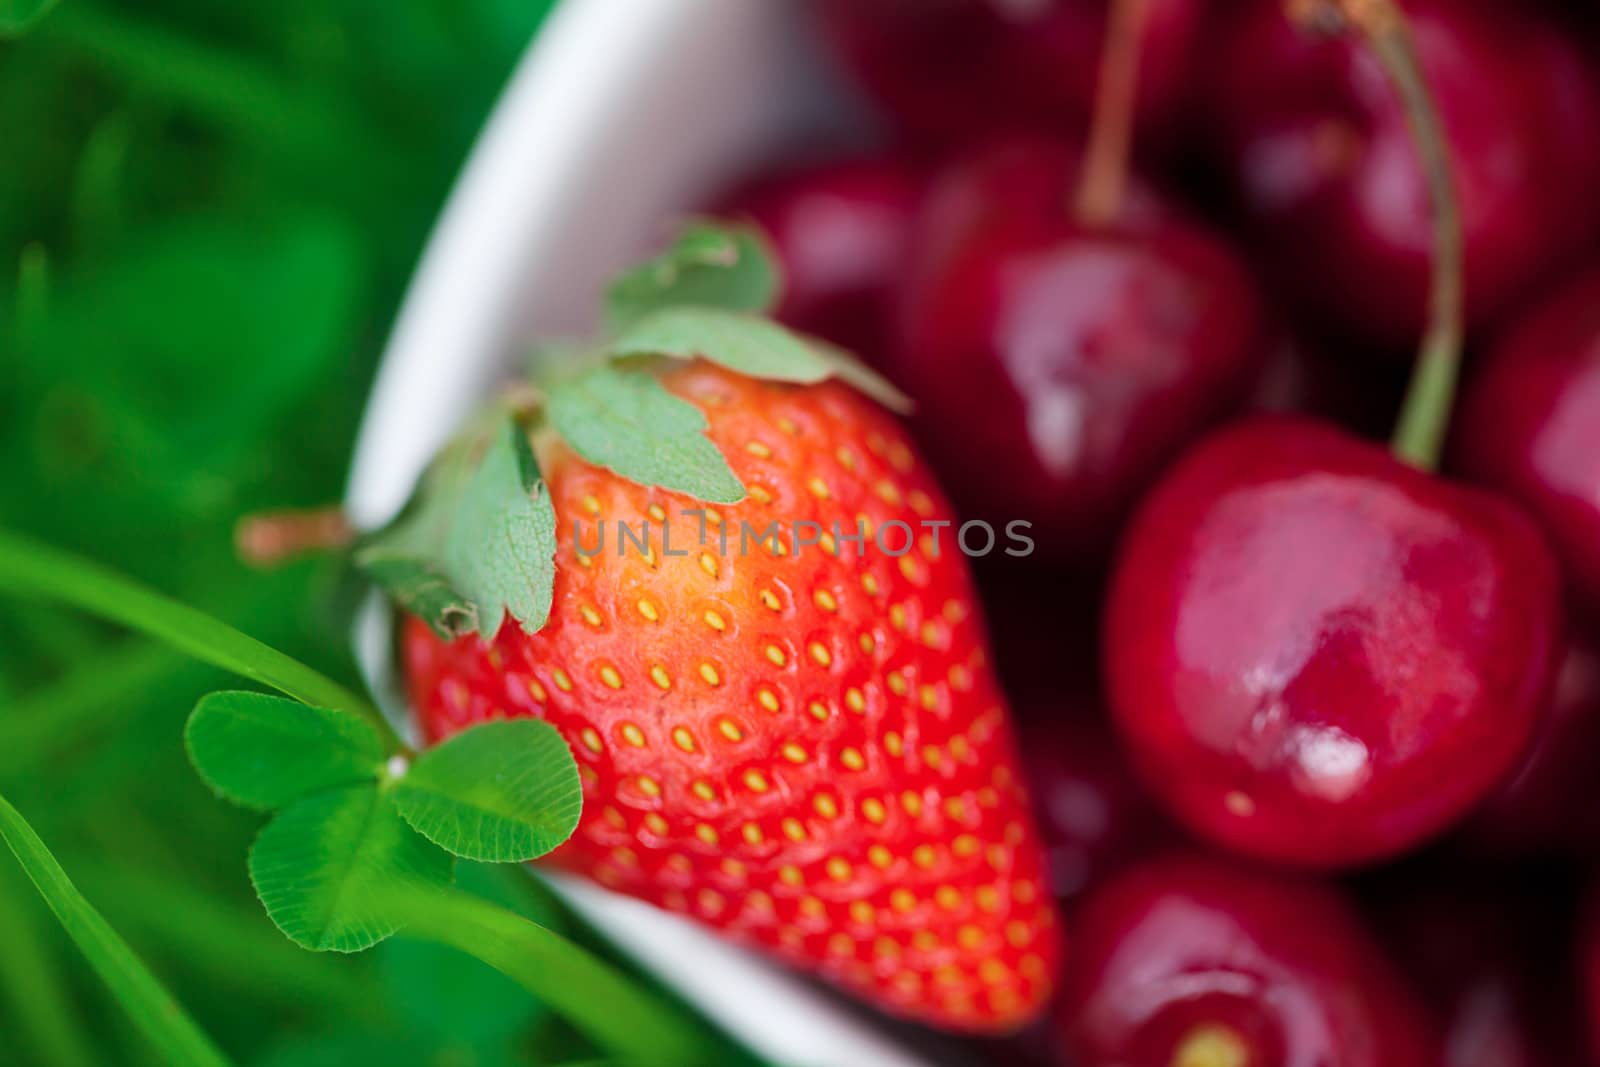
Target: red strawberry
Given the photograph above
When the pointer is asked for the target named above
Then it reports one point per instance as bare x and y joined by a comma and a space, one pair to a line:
806, 748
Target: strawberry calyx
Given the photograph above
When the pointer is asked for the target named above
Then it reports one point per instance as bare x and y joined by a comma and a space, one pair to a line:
477, 541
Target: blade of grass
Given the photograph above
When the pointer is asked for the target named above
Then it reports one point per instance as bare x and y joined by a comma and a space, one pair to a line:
31, 980
608, 1007
152, 1008
33, 569
213, 937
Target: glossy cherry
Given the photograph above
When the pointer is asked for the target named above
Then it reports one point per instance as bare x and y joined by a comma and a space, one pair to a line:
1490, 958
1319, 655
948, 69
840, 230
1530, 424
1319, 153
1058, 367
1547, 804
1189, 962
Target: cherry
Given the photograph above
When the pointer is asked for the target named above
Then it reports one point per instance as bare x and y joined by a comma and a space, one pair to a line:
1530, 424
1545, 804
1318, 151
1190, 962
1091, 811
1318, 652
840, 229
1319, 655
1076, 359
949, 69
1489, 958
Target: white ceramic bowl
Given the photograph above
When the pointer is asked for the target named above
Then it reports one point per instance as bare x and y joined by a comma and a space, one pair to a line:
624, 114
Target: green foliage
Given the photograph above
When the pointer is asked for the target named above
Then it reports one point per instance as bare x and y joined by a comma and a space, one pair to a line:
453, 997
479, 541
501, 792
338, 869
623, 419
18, 16
324, 865
263, 752
592, 994
751, 345
32, 973
708, 296
31, 569
709, 265
161, 1019
305, 278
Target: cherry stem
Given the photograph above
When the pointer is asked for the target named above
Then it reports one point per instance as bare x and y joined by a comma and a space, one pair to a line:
1424, 422
269, 538
1104, 180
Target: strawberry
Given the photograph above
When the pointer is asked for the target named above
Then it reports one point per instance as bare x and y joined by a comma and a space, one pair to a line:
741, 599
802, 745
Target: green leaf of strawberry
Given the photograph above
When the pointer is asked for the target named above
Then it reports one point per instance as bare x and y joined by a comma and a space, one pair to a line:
753, 346
502, 792
479, 541
623, 419
263, 751
715, 266
326, 867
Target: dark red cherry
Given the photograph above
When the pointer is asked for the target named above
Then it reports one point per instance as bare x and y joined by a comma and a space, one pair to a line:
1091, 812
1530, 424
1188, 962
1490, 957
840, 230
1547, 803
1320, 155
1056, 367
1320, 656
1093, 815
948, 69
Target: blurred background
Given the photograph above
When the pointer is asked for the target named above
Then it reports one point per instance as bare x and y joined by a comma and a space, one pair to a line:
207, 216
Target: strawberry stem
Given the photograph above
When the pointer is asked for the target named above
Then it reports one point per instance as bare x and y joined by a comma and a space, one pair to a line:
269, 538
1425, 419
1104, 181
